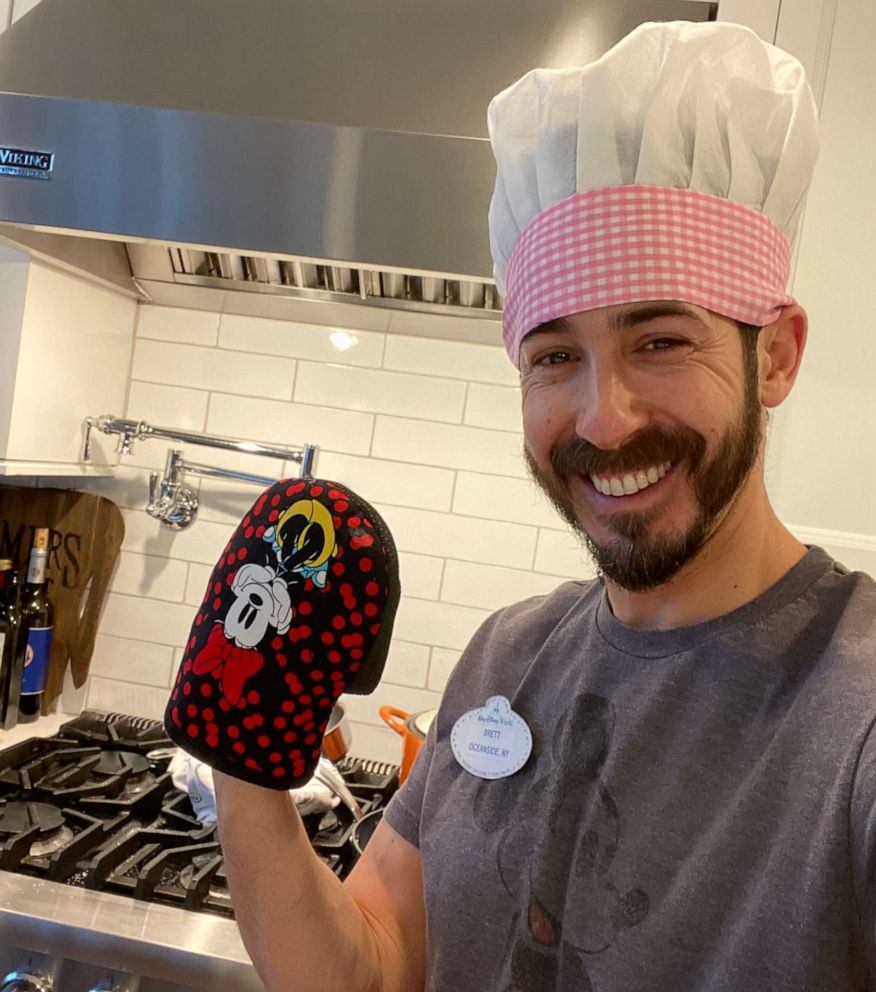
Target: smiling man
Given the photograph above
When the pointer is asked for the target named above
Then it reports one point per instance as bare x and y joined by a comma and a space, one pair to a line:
644, 424
696, 812
664, 779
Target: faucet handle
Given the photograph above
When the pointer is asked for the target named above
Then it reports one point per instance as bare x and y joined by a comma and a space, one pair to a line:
153, 488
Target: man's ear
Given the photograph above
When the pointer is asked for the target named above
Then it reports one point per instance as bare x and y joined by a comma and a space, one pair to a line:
780, 349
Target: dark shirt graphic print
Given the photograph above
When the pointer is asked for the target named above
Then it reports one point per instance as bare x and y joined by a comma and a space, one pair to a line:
568, 906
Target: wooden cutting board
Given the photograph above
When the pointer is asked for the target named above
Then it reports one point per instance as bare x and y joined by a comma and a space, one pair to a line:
85, 535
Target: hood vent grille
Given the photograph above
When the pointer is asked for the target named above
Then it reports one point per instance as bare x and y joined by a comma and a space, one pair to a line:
302, 277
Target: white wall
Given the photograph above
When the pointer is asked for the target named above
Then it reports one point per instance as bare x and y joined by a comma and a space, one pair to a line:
822, 467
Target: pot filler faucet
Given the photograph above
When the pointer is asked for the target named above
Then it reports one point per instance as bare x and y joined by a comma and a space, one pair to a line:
170, 500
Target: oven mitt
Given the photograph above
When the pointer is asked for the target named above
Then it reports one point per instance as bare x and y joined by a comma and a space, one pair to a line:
299, 608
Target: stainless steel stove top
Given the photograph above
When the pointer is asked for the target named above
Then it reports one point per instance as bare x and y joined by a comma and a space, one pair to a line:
106, 871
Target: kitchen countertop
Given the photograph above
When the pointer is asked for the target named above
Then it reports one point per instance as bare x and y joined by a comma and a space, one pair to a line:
45, 726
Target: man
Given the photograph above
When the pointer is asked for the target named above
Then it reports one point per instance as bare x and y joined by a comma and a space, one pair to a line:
685, 801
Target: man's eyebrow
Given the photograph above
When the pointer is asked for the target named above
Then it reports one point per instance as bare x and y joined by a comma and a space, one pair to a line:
623, 320
558, 324
651, 311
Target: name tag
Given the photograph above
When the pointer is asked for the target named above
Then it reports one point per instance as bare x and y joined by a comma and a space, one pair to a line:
492, 741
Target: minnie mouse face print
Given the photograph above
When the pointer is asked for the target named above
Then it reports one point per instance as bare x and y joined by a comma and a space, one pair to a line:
262, 600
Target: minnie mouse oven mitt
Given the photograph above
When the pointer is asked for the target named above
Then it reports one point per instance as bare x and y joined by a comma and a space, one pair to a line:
299, 608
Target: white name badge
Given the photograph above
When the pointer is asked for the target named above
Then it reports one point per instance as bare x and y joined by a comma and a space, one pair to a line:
493, 741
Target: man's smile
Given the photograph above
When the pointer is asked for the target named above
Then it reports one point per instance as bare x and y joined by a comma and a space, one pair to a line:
631, 482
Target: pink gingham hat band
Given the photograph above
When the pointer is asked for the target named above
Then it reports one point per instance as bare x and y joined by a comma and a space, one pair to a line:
626, 244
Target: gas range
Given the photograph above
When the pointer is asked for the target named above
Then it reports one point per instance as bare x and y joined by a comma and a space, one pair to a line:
91, 822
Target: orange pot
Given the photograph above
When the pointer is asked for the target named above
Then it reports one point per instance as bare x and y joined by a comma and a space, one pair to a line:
412, 728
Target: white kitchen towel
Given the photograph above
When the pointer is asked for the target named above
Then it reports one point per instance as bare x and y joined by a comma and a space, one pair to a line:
196, 778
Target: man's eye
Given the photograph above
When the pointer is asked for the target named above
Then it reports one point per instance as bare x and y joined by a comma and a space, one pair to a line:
664, 344
556, 357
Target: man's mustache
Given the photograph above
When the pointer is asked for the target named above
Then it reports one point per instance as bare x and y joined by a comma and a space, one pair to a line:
650, 446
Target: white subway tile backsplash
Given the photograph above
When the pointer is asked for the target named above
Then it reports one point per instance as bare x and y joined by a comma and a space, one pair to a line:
133, 661
202, 542
449, 446
73, 700
290, 424
127, 487
149, 575
420, 575
441, 666
515, 500
227, 502
561, 553
471, 584
440, 624
196, 584
496, 407
140, 619
366, 709
468, 538
5, 14
447, 326
260, 336
210, 368
126, 697
168, 406
407, 664
375, 391
379, 481
178, 325
454, 359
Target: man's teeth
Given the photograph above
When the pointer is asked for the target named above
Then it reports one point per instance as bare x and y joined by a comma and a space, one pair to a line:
633, 482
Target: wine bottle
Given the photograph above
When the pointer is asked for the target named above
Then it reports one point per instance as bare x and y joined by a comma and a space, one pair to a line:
37, 612
7, 635
13, 642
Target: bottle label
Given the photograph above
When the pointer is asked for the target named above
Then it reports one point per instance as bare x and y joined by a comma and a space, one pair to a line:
36, 661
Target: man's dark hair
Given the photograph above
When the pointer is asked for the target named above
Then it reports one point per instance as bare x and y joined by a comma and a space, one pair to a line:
749, 333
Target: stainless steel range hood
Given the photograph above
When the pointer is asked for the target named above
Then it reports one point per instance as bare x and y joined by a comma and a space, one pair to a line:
279, 145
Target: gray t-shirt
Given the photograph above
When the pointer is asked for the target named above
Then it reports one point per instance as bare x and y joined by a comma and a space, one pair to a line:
697, 814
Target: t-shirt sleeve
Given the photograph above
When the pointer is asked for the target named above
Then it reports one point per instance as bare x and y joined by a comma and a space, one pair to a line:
863, 841
405, 807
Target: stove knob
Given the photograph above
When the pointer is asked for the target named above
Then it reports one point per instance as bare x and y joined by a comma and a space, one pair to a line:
27, 980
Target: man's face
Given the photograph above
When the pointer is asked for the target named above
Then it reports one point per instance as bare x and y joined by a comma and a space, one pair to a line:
642, 424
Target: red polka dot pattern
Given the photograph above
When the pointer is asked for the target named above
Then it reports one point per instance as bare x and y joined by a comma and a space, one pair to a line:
254, 701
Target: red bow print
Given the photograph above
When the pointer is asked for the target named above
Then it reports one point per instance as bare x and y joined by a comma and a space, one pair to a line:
232, 664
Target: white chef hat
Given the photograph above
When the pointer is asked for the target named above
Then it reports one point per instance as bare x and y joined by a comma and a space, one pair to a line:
674, 167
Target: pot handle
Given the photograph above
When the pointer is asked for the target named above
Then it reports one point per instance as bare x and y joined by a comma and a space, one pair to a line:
394, 718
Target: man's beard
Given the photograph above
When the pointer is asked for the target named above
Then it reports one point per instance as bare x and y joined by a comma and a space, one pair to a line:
633, 560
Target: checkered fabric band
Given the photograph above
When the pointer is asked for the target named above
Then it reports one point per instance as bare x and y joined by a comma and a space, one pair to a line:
626, 244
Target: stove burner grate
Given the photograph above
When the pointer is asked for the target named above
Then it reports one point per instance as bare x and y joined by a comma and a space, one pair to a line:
95, 807
51, 841
18, 817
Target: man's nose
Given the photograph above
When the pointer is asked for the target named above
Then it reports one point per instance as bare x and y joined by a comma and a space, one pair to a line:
609, 409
